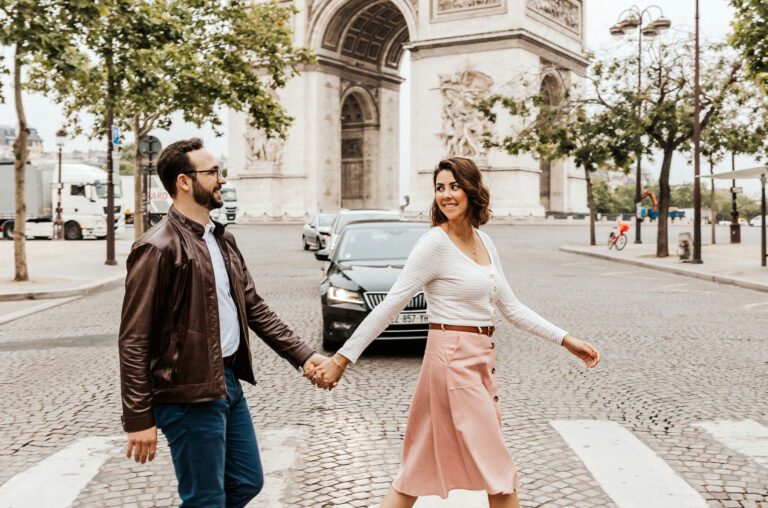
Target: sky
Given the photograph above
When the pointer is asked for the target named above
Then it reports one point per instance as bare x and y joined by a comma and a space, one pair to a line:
716, 16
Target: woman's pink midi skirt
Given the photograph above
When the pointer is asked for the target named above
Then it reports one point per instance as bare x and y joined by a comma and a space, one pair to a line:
453, 437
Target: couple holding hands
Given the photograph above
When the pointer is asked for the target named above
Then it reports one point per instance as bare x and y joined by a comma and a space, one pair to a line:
184, 348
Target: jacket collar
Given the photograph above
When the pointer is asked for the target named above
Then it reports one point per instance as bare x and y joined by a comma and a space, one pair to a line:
195, 227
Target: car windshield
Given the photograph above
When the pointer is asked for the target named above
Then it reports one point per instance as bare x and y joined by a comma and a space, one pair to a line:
377, 243
343, 220
228, 194
325, 219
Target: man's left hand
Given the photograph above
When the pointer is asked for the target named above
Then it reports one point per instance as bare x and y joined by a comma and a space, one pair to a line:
309, 367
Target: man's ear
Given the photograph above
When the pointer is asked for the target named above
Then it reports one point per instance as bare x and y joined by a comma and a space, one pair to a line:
183, 183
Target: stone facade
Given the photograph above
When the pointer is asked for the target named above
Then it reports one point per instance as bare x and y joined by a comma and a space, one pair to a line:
343, 148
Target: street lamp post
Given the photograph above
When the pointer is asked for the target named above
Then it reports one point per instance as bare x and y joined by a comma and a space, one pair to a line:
649, 26
58, 224
696, 152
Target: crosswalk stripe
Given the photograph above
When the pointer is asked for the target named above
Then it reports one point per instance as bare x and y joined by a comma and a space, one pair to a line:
746, 437
57, 480
625, 468
456, 499
278, 457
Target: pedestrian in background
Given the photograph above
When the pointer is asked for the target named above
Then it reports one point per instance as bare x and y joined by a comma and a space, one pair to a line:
453, 437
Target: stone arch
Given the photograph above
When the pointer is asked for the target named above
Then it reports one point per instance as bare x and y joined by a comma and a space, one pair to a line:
552, 89
335, 24
367, 102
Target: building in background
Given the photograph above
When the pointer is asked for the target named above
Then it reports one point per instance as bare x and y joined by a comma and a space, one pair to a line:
342, 150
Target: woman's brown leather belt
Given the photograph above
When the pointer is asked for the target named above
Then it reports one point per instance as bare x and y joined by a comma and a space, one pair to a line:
483, 330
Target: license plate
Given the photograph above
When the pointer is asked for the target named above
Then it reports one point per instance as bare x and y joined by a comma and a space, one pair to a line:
411, 319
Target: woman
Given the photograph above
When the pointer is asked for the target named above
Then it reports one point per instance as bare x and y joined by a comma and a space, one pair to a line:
453, 437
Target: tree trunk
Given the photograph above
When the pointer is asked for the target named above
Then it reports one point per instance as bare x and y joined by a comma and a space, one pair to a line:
591, 205
712, 203
20, 153
662, 241
138, 194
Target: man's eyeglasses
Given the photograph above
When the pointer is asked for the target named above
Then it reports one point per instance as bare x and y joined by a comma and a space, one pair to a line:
215, 172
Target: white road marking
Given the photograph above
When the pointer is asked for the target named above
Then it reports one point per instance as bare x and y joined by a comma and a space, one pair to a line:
609, 274
625, 468
746, 437
753, 305
456, 499
57, 480
278, 458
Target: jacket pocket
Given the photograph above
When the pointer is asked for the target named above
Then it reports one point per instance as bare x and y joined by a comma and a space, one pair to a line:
191, 365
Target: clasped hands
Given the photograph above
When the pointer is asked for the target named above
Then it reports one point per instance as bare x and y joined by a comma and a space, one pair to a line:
324, 372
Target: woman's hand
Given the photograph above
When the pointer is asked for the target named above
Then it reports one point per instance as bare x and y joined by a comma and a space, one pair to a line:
328, 373
583, 350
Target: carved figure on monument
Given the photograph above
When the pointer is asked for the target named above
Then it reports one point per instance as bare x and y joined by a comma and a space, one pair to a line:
463, 125
565, 12
262, 152
446, 6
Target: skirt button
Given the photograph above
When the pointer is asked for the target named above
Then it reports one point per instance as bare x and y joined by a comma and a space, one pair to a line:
493, 345
493, 370
496, 398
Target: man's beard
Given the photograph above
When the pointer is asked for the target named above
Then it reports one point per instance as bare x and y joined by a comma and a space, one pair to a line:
206, 198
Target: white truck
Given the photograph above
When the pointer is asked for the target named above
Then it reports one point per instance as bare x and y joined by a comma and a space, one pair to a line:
83, 200
230, 212
159, 199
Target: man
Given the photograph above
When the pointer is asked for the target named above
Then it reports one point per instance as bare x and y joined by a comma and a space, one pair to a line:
189, 300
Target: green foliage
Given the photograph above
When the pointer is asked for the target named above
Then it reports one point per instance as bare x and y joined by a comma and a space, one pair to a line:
127, 159
750, 36
189, 56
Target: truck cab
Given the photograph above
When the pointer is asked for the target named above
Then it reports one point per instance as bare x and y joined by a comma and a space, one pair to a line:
230, 212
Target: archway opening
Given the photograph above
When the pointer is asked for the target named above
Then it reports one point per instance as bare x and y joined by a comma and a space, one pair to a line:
362, 43
552, 94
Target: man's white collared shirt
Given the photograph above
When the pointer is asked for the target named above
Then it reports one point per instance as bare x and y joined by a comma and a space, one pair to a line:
229, 325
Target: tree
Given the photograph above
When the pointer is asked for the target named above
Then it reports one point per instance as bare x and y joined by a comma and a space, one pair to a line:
739, 129
190, 56
561, 125
662, 110
750, 36
32, 28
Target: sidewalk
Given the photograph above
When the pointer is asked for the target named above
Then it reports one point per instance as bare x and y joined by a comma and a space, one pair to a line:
60, 269
737, 264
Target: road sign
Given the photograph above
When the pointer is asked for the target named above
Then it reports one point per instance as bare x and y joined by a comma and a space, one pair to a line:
736, 190
149, 146
115, 135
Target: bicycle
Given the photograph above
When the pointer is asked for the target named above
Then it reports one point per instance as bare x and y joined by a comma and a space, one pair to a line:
618, 239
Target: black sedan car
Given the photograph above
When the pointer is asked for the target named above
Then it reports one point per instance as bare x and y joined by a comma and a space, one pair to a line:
362, 268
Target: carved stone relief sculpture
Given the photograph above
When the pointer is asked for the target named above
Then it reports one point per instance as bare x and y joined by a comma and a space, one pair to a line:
449, 6
463, 125
564, 12
262, 154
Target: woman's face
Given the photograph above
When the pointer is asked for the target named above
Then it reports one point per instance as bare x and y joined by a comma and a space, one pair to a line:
450, 198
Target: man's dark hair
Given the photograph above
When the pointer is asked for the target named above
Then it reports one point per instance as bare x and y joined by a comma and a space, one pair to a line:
174, 160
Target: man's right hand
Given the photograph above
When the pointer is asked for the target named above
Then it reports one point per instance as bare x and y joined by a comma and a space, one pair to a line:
142, 445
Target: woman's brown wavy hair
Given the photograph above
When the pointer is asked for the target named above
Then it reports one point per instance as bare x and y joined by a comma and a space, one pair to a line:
470, 180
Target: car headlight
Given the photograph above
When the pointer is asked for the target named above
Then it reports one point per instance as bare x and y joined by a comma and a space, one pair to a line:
341, 295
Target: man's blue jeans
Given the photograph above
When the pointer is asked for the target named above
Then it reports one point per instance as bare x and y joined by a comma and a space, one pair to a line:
214, 449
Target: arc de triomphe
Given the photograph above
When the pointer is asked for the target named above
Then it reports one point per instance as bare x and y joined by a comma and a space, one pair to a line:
343, 148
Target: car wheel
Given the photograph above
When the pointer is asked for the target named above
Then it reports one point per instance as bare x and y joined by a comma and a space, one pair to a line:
8, 230
304, 241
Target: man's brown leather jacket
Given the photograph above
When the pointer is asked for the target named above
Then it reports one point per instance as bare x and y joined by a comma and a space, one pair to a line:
170, 350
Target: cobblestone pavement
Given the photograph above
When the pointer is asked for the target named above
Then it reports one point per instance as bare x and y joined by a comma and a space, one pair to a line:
676, 352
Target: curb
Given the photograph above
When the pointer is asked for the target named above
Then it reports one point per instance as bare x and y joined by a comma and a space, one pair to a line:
82, 290
720, 279
7, 318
